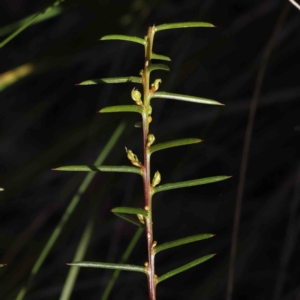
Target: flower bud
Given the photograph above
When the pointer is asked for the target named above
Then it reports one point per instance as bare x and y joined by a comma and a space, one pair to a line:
150, 140
136, 96
155, 85
156, 179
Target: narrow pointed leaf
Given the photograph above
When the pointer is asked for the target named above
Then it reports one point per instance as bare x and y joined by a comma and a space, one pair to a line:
102, 265
187, 240
187, 98
130, 210
182, 25
121, 37
182, 184
154, 67
122, 108
190, 265
174, 143
159, 56
130, 218
91, 168
112, 80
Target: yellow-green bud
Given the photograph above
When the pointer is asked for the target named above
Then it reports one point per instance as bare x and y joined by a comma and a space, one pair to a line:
155, 85
156, 179
132, 157
150, 140
136, 96
141, 218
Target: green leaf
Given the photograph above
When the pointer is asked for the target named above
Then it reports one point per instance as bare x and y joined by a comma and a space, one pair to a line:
123, 38
112, 80
130, 210
131, 219
154, 67
182, 25
2, 265
185, 267
102, 265
174, 143
187, 98
91, 168
159, 56
122, 108
187, 240
124, 258
182, 184
1, 189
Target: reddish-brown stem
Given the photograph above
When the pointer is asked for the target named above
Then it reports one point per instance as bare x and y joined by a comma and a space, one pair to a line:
146, 167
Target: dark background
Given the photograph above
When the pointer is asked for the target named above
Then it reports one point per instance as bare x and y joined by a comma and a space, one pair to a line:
47, 121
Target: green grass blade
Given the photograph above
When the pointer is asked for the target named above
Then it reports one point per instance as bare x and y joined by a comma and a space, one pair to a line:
182, 25
82, 188
182, 184
190, 265
159, 56
187, 98
163, 67
79, 255
131, 219
134, 79
121, 37
122, 108
55, 11
28, 22
187, 240
130, 210
1, 189
124, 258
92, 168
174, 143
2, 265
102, 265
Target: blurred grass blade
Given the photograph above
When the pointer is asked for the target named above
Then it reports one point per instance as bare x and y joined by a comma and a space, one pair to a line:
187, 98
92, 168
82, 188
174, 143
12, 76
163, 67
121, 37
159, 56
1, 189
190, 265
103, 265
79, 255
55, 11
122, 108
112, 80
30, 20
124, 258
182, 184
182, 25
130, 210
2, 265
130, 218
187, 240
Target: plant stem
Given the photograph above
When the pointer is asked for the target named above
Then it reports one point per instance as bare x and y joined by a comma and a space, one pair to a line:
148, 190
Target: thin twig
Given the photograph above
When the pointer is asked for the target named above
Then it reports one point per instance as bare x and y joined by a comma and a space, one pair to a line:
295, 4
246, 148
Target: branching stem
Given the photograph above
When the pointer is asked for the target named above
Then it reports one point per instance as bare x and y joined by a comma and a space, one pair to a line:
148, 190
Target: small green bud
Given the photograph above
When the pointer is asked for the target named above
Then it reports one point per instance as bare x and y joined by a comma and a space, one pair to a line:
141, 218
150, 140
149, 110
133, 158
155, 85
136, 96
156, 179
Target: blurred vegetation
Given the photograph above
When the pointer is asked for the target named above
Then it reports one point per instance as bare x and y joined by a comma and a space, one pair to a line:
47, 121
